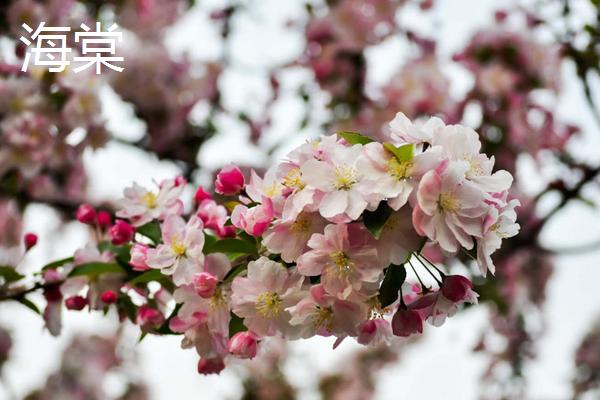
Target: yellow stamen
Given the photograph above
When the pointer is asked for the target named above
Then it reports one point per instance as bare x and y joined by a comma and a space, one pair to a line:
399, 169
447, 202
217, 299
342, 262
178, 248
149, 199
269, 305
301, 225
293, 179
322, 318
345, 177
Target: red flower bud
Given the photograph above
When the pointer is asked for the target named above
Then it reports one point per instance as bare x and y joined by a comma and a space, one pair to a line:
456, 287
109, 297
121, 232
406, 322
30, 240
148, 317
208, 366
86, 214
76, 303
201, 195
230, 181
104, 219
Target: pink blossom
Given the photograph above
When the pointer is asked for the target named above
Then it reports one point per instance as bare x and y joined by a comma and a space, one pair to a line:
289, 237
449, 209
139, 254
402, 130
344, 256
320, 313
205, 320
264, 296
374, 332
499, 224
256, 220
214, 216
141, 205
243, 345
392, 179
346, 191
180, 254
230, 181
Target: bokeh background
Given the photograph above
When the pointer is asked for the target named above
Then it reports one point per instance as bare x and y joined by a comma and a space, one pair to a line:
212, 82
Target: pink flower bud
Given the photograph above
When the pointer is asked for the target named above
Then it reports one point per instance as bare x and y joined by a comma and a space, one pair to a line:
109, 297
139, 255
208, 366
51, 276
205, 284
456, 287
30, 240
230, 181
243, 345
121, 232
256, 220
52, 293
149, 318
86, 214
201, 195
374, 331
104, 219
76, 303
406, 322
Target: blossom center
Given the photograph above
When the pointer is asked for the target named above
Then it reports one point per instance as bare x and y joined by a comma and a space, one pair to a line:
217, 299
269, 304
322, 318
447, 202
292, 179
399, 169
149, 199
345, 177
301, 225
178, 248
342, 263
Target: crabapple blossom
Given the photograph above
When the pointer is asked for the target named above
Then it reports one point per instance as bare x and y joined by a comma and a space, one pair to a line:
256, 220
141, 205
181, 254
345, 257
318, 245
265, 295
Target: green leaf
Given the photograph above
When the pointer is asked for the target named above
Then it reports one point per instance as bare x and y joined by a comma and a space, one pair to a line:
375, 220
95, 269
230, 246
402, 153
29, 304
234, 272
236, 324
147, 276
58, 263
127, 305
393, 280
354, 137
9, 274
151, 230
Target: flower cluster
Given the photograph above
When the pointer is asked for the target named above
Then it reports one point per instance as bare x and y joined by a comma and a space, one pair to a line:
318, 245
